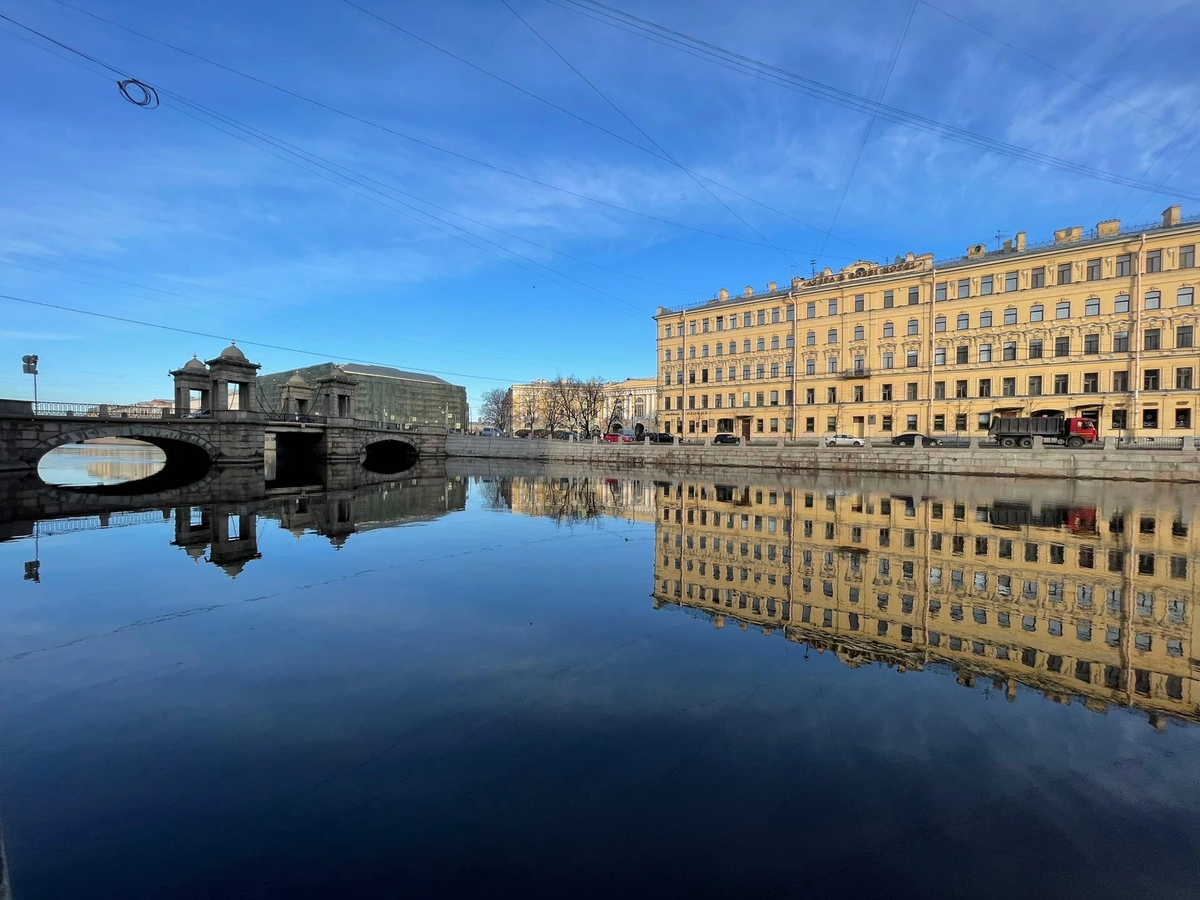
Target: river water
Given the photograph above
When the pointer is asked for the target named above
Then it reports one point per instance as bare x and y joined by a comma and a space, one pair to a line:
467, 678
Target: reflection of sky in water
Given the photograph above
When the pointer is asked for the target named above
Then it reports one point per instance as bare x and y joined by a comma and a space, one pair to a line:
84, 464
501, 694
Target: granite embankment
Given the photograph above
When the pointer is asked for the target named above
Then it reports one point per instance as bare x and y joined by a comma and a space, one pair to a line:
1176, 466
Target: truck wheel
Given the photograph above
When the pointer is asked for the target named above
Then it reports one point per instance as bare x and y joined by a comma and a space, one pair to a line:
1007, 442
1075, 442
1027, 442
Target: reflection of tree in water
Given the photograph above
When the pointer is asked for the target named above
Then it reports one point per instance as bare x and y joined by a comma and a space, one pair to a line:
571, 501
496, 493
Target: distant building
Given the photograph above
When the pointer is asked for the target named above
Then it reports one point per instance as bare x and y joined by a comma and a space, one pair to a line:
382, 394
630, 403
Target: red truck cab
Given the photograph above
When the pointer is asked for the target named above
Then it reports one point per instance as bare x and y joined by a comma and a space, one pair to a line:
1082, 428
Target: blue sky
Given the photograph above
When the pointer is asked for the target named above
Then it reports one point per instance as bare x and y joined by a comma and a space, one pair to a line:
157, 216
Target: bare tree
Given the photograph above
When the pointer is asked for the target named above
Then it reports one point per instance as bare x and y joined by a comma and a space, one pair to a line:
616, 417
527, 414
559, 404
494, 411
590, 405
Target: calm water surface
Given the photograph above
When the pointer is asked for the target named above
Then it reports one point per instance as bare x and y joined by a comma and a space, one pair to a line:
571, 684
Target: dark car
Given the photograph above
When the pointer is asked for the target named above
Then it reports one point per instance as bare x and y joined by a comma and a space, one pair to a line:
910, 440
659, 437
727, 439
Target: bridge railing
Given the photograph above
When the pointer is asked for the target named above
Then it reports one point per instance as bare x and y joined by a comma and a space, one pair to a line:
100, 410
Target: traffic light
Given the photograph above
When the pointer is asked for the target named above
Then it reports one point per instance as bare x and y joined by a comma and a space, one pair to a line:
30, 364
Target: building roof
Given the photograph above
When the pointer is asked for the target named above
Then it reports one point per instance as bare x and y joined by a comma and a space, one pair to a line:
389, 372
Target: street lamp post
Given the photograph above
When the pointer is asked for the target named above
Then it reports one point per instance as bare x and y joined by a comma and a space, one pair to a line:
29, 365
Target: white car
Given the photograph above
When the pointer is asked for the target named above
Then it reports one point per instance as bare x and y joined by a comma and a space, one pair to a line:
491, 432
844, 440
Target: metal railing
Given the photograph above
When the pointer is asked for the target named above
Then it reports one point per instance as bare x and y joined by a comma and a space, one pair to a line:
100, 410
1149, 443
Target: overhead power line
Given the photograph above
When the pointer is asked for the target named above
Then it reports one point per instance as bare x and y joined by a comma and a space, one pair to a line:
224, 337
400, 134
772, 74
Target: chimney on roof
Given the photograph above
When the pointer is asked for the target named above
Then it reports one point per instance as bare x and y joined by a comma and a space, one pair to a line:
1171, 216
976, 250
1068, 235
1008, 246
772, 286
749, 292
722, 294
1108, 228
1020, 241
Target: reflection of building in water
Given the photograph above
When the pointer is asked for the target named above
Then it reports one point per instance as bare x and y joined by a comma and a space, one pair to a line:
225, 534
1086, 601
575, 498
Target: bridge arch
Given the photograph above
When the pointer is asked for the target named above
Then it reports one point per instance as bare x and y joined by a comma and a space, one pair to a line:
189, 457
388, 453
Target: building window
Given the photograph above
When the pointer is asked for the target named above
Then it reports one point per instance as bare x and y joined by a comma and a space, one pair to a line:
760, 345
888, 360
745, 373
985, 319
860, 302
983, 420
833, 307
1010, 351
1062, 346
889, 329
774, 398
885, 393
939, 422
859, 333
1183, 378
964, 288
831, 425
1124, 265
960, 388
1091, 382
774, 370
939, 356
810, 396
790, 314
1093, 270
939, 324
939, 291
1037, 277
789, 341
858, 393
831, 338
1183, 417
985, 285
1064, 273
1152, 339
810, 339
1187, 256
1150, 380
961, 355
761, 370
831, 365
886, 423
1035, 385
774, 342
1154, 261
1091, 343
1009, 387
810, 424
775, 315
704, 349
913, 326
1120, 381
1091, 306
1183, 337
910, 391
1150, 418
810, 311
963, 323
889, 299
912, 423
1010, 316
911, 358
985, 352
1010, 281
939, 390
1121, 342
985, 387
668, 354
1153, 300
1061, 384
1185, 296
831, 395
1062, 310
1036, 312
762, 317
1120, 421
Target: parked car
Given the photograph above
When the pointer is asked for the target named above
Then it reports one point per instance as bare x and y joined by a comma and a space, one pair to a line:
910, 439
726, 438
491, 432
200, 414
844, 440
659, 437
624, 436
566, 435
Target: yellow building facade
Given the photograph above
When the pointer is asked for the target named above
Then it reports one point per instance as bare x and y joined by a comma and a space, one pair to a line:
632, 402
1071, 599
1100, 325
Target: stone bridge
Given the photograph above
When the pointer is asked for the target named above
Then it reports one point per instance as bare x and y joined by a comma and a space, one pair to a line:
221, 440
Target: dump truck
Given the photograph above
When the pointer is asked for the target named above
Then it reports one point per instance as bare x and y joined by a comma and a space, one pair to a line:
1020, 432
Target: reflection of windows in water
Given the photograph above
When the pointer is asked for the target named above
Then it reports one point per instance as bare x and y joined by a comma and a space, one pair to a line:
956, 612
979, 615
1054, 663
1175, 687
1112, 602
1112, 636
1004, 620
935, 576
980, 581
956, 579
1029, 623
1083, 671
906, 570
1175, 610
854, 594
1005, 549
1174, 647
1055, 591
935, 639
936, 542
1001, 652
1145, 603
882, 601
1054, 627
1004, 585
1083, 631
906, 603
1030, 590
1142, 641
1087, 557
853, 621
827, 620
1112, 677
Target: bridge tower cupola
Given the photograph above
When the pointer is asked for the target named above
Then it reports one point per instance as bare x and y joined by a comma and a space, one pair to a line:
295, 397
337, 394
193, 387
234, 379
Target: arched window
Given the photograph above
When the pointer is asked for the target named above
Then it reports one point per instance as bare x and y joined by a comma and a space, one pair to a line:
810, 339
704, 350
1036, 312
639, 407
939, 324
667, 357
964, 321
832, 339
746, 346
913, 327
859, 333
1063, 310
889, 330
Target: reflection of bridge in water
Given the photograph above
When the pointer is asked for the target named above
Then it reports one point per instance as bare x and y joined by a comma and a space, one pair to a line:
219, 521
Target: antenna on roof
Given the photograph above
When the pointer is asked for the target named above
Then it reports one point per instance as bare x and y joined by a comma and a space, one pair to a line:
813, 263
999, 236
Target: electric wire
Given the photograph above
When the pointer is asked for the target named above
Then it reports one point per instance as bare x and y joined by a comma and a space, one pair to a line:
392, 131
887, 79
754, 68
